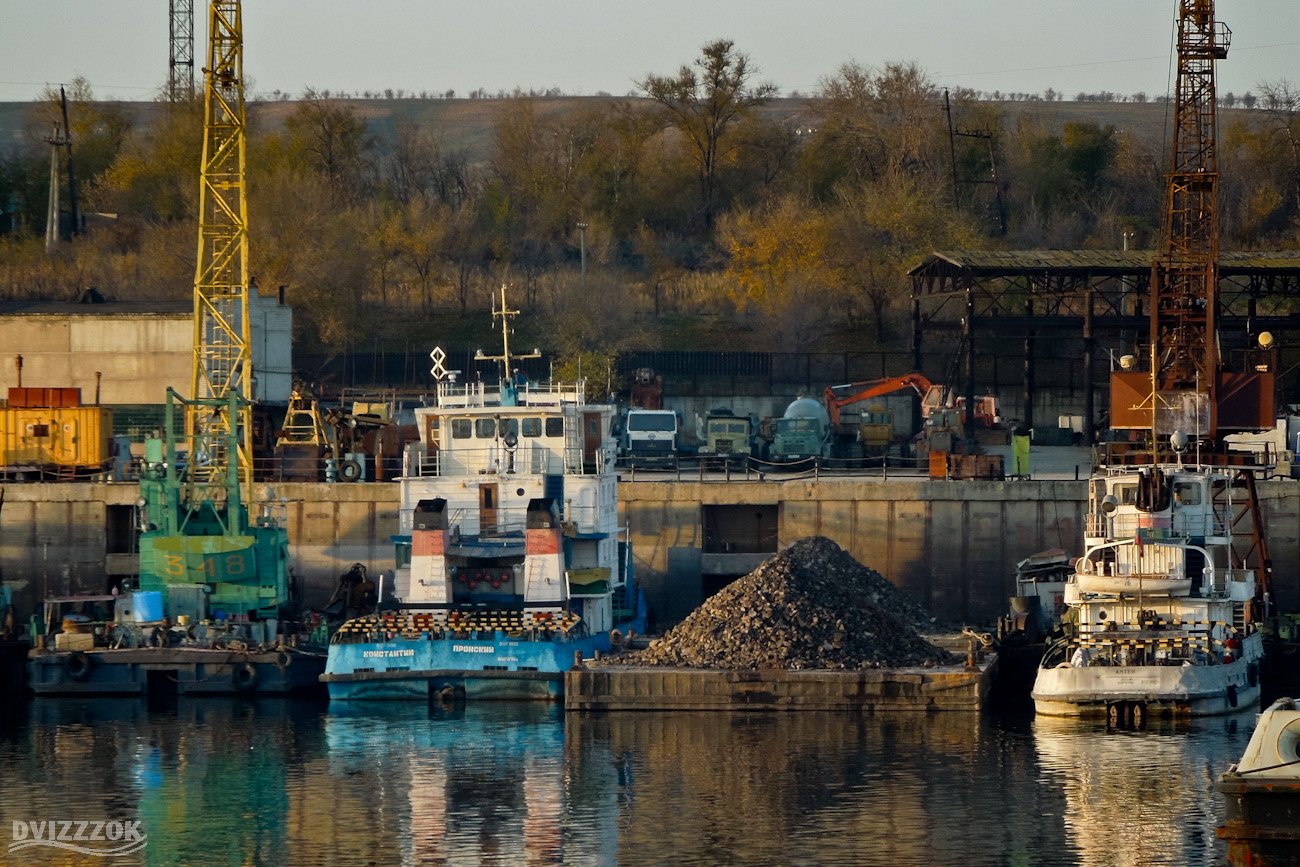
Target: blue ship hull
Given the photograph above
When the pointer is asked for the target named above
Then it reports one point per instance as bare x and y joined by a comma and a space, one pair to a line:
501, 669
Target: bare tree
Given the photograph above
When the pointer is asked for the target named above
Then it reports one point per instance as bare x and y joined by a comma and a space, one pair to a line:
703, 100
1281, 101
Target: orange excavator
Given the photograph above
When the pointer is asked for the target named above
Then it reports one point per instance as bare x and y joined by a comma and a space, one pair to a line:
934, 398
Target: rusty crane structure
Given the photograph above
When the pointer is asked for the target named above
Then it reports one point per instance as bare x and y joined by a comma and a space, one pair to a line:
1193, 383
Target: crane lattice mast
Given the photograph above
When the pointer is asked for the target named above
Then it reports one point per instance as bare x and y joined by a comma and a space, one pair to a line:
1187, 387
180, 70
1185, 274
222, 358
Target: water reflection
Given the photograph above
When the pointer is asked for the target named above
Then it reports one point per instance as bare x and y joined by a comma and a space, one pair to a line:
287, 783
1141, 797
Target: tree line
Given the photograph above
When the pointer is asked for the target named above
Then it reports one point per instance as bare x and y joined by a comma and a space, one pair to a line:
702, 213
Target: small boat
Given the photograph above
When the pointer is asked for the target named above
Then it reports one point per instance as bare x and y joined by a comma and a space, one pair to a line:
1263, 792
1037, 607
1163, 606
511, 563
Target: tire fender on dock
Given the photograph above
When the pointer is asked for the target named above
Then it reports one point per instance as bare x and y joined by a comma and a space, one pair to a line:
77, 665
349, 471
244, 676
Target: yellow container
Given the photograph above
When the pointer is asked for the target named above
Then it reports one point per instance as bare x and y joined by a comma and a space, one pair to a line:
72, 437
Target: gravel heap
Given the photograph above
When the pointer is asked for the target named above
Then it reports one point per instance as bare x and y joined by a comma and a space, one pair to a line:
812, 606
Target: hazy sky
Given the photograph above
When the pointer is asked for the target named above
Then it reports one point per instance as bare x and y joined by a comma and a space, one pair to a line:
585, 47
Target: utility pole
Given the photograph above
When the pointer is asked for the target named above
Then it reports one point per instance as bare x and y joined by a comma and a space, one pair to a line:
52, 210
582, 227
72, 177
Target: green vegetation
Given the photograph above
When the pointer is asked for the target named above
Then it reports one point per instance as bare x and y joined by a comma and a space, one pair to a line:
707, 214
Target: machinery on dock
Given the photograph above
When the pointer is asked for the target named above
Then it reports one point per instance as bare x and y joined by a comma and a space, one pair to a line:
1165, 602
727, 437
802, 433
214, 593
48, 433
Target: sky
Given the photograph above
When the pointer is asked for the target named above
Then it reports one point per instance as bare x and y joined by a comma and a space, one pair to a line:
585, 48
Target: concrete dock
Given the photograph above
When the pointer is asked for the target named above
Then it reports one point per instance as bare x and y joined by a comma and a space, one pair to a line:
950, 688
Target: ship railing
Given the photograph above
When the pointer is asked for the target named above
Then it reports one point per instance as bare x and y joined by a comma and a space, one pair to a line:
1185, 524
1159, 643
492, 459
480, 394
1158, 561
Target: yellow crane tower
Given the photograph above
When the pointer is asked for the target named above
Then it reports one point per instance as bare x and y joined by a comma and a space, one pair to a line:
222, 359
196, 532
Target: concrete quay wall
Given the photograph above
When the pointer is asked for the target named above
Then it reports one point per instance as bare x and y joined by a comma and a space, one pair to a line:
951, 545
75, 538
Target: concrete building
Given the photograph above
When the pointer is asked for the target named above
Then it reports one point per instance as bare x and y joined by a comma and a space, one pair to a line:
127, 353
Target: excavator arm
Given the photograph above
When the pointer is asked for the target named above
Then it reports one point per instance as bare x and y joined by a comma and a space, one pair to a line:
836, 396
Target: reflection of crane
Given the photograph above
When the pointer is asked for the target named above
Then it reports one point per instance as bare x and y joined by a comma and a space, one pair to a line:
1187, 386
195, 522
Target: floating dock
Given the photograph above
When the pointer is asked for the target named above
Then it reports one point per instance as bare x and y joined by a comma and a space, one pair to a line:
613, 687
184, 670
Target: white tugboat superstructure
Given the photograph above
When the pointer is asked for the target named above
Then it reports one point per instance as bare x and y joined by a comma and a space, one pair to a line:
1162, 610
510, 557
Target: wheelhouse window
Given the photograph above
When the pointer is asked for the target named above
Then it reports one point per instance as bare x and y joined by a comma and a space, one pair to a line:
555, 427
485, 428
530, 427
1187, 493
461, 428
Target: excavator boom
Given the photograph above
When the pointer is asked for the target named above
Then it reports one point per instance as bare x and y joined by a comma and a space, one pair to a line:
835, 397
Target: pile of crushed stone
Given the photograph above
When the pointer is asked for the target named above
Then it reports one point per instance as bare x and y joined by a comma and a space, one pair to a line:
812, 606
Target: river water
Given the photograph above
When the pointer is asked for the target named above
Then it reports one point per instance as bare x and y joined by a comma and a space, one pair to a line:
304, 782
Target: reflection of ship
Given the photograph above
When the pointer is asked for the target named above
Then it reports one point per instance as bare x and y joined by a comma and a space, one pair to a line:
472, 781
1263, 792
1134, 797
510, 559
1159, 603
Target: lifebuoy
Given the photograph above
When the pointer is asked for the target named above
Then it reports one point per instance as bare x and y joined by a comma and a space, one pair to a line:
78, 665
244, 676
349, 471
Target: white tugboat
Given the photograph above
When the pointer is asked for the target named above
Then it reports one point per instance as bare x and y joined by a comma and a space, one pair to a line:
1161, 610
1174, 578
510, 558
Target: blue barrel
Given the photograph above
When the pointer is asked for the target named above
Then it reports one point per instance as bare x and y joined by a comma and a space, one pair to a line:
148, 605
